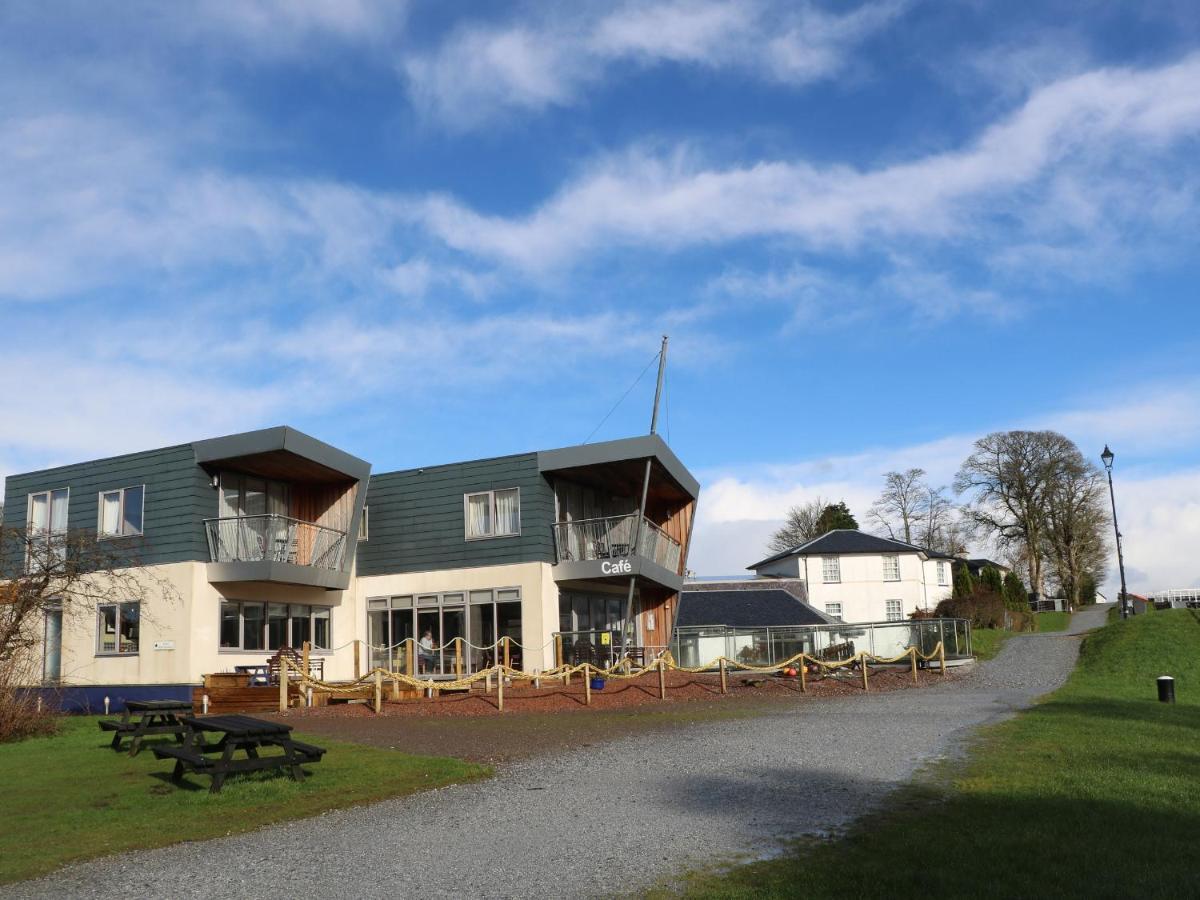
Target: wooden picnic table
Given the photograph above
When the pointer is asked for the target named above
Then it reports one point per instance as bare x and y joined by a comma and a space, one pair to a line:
153, 717
239, 733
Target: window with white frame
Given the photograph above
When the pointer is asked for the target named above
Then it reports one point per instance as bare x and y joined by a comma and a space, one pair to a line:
831, 569
491, 514
943, 573
269, 626
363, 529
834, 610
120, 513
118, 627
46, 524
894, 610
891, 567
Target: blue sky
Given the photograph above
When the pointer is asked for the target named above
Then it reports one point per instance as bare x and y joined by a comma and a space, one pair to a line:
425, 232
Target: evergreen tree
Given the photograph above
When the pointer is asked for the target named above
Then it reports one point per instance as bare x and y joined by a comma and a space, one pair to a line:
991, 579
1015, 595
1087, 589
836, 515
964, 584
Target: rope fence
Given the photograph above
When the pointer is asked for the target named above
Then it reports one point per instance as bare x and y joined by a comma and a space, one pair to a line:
624, 669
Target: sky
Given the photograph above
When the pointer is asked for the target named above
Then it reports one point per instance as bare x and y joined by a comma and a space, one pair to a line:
426, 232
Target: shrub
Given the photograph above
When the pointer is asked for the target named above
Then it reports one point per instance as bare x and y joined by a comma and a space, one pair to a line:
986, 609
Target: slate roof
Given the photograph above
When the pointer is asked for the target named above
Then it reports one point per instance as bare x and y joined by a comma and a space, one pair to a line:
745, 609
842, 541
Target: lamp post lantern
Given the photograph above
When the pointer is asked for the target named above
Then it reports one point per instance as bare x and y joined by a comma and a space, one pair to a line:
1107, 458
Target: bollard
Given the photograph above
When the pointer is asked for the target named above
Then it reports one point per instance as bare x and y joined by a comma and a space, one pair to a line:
283, 683
106, 704
204, 704
1166, 689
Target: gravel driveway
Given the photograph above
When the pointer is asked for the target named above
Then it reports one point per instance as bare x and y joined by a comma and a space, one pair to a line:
606, 819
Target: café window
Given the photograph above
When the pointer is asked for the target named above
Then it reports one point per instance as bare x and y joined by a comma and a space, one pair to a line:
118, 628
269, 626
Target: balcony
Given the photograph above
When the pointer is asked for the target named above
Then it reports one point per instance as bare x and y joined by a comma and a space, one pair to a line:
276, 548
609, 542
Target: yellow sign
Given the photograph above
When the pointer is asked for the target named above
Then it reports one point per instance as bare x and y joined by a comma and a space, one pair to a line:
605, 639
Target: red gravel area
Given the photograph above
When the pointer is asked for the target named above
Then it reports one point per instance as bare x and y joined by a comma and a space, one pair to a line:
556, 717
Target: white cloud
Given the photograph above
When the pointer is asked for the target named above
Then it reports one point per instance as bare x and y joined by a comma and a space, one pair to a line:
481, 72
1083, 125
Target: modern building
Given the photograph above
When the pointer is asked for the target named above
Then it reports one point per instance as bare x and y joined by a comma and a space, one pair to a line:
856, 577
257, 541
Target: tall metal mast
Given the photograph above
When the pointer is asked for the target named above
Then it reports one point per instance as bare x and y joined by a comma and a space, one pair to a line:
637, 526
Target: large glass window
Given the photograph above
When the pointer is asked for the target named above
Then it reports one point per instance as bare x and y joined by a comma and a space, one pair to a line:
121, 512
492, 513
246, 495
259, 626
118, 628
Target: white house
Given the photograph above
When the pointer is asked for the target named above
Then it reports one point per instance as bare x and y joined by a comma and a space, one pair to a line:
859, 577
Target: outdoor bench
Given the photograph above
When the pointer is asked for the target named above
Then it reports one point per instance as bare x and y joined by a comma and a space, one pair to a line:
153, 717
239, 733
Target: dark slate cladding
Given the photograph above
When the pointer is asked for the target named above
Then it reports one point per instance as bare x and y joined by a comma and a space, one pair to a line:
744, 609
178, 498
417, 525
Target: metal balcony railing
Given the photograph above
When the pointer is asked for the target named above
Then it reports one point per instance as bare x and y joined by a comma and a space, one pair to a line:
612, 537
271, 538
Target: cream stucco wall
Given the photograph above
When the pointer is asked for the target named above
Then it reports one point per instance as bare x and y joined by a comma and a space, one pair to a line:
179, 607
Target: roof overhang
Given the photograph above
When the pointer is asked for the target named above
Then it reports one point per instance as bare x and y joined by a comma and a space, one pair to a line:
625, 450
283, 453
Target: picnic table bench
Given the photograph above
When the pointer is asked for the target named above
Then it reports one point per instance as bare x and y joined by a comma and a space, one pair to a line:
153, 717
243, 733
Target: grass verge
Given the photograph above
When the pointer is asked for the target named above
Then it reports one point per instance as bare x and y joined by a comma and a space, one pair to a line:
1093, 793
1052, 621
986, 642
69, 797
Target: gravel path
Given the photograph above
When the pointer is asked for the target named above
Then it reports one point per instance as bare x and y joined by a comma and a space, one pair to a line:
610, 818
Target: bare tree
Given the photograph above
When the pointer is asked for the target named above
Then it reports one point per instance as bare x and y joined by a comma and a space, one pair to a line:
1076, 525
43, 572
802, 525
901, 505
1010, 479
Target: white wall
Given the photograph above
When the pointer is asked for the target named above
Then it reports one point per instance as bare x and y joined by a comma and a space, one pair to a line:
864, 594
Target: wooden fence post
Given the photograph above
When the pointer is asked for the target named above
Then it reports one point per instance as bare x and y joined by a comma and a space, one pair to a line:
587, 684
507, 651
458, 657
803, 674
558, 655
357, 664
395, 688
283, 683
410, 658
500, 691
378, 691
487, 681
862, 659
942, 656
306, 649
662, 679
724, 683
913, 653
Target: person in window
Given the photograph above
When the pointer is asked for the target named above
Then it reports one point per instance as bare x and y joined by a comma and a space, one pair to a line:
425, 652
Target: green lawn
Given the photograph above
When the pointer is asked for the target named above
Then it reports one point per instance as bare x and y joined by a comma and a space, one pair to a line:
69, 797
1052, 621
1093, 793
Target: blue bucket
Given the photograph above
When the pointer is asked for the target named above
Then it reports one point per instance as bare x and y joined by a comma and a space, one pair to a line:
597, 684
